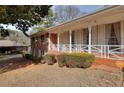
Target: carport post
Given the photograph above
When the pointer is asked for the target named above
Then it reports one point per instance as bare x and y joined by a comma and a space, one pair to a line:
49, 42
58, 41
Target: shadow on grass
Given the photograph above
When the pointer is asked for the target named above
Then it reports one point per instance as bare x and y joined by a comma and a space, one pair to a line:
13, 63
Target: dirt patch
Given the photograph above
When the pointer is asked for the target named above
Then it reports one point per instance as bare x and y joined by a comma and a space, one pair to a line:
22, 73
108, 65
44, 75
13, 63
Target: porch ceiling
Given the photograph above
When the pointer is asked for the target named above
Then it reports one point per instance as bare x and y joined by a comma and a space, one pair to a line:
109, 15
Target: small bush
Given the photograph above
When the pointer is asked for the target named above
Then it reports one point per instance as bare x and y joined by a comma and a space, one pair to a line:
50, 59
80, 60
31, 57
61, 59
28, 56
37, 59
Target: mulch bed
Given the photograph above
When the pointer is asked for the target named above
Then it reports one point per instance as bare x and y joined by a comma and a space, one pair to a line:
108, 64
102, 61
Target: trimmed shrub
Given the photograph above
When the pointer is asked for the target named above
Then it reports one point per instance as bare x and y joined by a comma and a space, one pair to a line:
88, 60
80, 60
61, 59
50, 59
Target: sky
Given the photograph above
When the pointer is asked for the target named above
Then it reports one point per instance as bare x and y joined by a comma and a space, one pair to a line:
86, 8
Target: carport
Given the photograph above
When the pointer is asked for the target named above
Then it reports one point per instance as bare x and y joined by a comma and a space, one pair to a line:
8, 46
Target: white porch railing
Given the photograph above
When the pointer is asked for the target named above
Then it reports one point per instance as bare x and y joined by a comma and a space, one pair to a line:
115, 52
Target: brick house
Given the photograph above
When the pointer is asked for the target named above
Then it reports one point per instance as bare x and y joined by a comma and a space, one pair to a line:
100, 32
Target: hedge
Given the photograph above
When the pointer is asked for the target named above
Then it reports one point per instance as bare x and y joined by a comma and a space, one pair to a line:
50, 59
80, 60
61, 59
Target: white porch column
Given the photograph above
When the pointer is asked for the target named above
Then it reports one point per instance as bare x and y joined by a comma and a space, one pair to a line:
70, 41
122, 34
58, 41
89, 45
49, 42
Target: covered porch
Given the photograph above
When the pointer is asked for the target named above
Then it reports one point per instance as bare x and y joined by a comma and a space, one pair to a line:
101, 40
101, 34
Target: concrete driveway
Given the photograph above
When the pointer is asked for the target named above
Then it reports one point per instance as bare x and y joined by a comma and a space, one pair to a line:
10, 56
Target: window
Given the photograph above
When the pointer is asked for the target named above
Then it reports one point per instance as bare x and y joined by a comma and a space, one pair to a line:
73, 33
86, 36
113, 39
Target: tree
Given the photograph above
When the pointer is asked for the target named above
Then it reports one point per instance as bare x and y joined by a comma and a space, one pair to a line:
4, 32
23, 16
64, 13
47, 21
